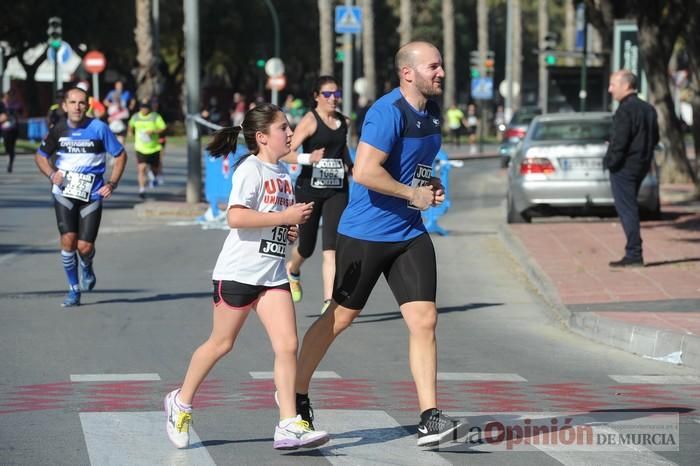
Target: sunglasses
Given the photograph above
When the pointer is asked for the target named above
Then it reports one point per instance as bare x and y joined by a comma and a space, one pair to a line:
328, 94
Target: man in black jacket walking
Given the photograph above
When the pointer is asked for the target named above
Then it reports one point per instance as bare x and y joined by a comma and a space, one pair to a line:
635, 133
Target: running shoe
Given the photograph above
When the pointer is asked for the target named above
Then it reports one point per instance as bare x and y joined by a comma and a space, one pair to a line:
294, 433
303, 408
88, 279
178, 421
437, 429
295, 287
325, 305
72, 299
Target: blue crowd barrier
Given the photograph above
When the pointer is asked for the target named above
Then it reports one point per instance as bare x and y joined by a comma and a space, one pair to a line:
441, 169
217, 180
36, 129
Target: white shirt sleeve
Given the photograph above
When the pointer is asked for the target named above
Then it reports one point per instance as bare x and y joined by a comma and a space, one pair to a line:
246, 186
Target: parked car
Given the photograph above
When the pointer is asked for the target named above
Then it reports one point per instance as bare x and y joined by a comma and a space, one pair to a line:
515, 131
558, 170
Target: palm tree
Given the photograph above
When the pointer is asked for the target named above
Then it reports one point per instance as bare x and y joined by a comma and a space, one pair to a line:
448, 41
406, 26
143, 36
325, 27
368, 62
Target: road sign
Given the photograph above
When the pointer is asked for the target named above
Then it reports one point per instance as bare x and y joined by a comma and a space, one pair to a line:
94, 62
277, 83
348, 20
482, 88
274, 67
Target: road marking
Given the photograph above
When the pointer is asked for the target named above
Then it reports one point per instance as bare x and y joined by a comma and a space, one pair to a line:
317, 375
137, 439
657, 379
370, 438
114, 377
480, 376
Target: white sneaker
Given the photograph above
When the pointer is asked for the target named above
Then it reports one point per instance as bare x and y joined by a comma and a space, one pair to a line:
294, 433
178, 421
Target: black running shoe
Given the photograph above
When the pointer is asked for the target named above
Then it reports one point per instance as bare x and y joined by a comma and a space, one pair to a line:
437, 429
304, 409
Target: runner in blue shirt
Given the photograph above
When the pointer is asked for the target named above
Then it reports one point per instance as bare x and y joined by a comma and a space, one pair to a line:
381, 231
79, 145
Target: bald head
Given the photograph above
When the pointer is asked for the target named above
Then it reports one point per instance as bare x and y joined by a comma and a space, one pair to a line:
410, 54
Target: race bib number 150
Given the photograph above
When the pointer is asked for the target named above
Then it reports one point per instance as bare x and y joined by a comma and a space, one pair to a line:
274, 244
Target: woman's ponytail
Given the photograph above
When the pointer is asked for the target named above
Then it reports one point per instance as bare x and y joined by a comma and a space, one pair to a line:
224, 141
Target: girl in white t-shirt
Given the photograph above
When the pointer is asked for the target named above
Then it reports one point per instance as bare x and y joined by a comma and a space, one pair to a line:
250, 273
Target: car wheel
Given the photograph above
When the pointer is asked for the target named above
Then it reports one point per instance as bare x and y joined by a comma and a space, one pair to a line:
514, 216
504, 162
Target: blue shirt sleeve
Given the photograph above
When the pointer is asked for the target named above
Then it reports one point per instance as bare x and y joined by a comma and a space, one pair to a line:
382, 127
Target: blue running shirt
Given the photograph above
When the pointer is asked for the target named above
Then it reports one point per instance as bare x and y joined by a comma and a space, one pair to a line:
412, 140
81, 149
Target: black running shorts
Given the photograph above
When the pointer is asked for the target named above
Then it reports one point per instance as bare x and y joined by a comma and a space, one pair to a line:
328, 207
73, 216
409, 267
150, 159
238, 295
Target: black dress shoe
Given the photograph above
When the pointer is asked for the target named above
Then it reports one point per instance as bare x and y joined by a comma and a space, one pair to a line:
627, 262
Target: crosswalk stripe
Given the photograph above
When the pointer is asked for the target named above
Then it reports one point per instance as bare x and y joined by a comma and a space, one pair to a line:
370, 438
317, 375
114, 377
137, 439
480, 376
657, 379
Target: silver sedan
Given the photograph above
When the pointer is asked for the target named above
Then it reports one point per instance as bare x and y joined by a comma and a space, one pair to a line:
557, 169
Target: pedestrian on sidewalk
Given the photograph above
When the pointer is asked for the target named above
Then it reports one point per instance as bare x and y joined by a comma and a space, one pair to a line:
147, 126
322, 133
455, 122
381, 232
472, 125
79, 145
635, 133
250, 273
9, 127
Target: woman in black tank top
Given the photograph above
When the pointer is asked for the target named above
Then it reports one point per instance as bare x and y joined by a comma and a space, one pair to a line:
325, 161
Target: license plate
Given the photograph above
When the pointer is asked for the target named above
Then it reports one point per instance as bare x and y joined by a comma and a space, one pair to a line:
583, 163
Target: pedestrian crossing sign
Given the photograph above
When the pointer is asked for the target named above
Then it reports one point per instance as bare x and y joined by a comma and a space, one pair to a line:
348, 19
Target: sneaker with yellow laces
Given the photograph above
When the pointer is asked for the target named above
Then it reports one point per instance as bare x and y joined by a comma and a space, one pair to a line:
293, 433
295, 286
178, 420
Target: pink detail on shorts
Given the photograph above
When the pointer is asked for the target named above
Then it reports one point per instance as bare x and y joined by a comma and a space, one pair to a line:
223, 304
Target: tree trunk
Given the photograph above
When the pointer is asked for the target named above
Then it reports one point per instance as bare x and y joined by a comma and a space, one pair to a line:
657, 35
692, 42
145, 72
368, 62
542, 30
405, 26
448, 41
325, 28
517, 52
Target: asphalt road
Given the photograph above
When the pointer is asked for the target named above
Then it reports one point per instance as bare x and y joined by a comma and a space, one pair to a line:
85, 385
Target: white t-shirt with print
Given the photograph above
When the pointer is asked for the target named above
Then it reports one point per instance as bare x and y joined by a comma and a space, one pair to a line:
255, 256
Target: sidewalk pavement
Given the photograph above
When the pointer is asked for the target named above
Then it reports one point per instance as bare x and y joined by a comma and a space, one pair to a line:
652, 311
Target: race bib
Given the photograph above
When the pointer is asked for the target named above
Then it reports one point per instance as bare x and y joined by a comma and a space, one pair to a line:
144, 136
421, 177
328, 173
78, 185
274, 243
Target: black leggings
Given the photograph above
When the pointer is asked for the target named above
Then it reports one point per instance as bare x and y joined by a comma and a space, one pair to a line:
331, 208
79, 217
9, 140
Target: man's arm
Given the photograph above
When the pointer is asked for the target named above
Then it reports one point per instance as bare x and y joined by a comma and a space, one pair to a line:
117, 170
369, 171
47, 169
619, 141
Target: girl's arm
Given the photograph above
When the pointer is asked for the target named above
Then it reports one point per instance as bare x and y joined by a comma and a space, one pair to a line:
242, 217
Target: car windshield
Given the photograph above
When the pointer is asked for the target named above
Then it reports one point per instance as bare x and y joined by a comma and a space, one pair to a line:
522, 118
572, 130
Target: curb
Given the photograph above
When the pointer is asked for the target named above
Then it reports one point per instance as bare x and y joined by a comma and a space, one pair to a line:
660, 345
170, 209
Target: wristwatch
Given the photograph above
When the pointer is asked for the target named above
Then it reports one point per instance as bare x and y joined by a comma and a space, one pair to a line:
112, 184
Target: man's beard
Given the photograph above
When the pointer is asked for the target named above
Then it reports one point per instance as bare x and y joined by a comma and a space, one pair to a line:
426, 87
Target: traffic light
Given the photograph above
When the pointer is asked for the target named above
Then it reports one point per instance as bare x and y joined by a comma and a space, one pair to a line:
339, 48
475, 63
490, 62
551, 39
260, 63
55, 32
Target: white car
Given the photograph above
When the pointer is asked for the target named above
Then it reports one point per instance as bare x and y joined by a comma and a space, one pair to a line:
557, 169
